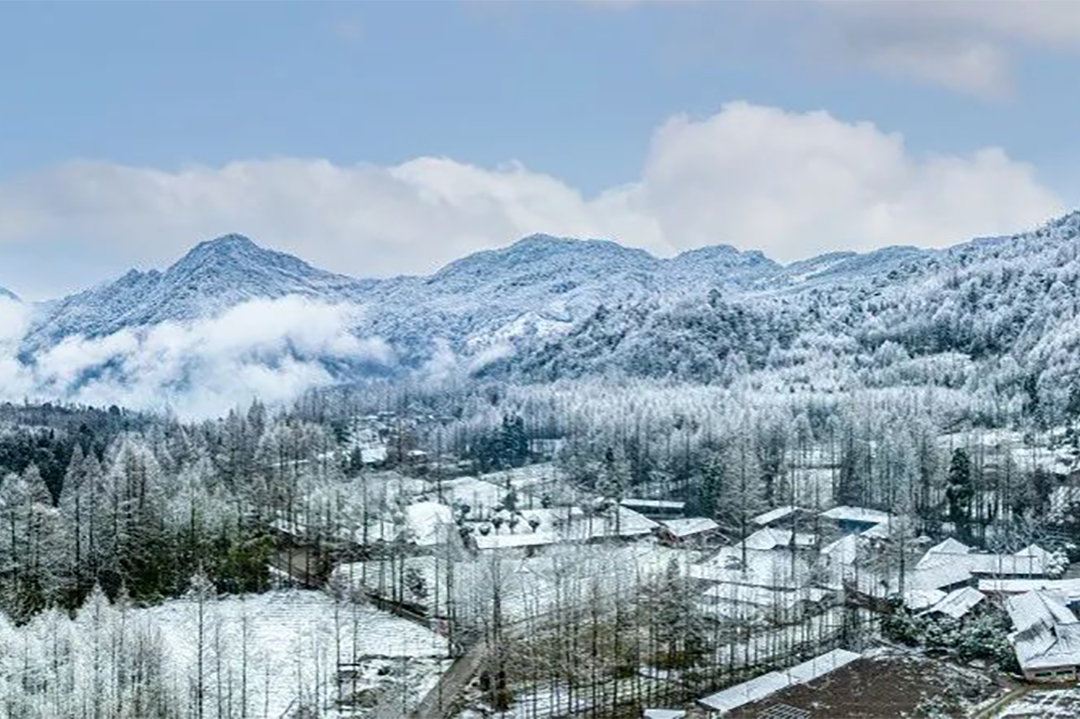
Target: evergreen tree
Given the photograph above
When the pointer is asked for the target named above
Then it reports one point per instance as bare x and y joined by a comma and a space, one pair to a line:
959, 492
713, 482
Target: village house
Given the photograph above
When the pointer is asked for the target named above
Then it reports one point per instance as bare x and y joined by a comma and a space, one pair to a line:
1046, 637
1068, 589
951, 565
655, 508
957, 603
690, 530
785, 517
855, 520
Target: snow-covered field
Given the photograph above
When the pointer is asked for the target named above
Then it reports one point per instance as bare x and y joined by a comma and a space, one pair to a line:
291, 643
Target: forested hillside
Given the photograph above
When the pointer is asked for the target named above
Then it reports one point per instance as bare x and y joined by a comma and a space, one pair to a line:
998, 314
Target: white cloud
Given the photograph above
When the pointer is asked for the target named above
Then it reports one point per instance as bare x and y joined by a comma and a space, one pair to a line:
269, 349
15, 380
965, 45
797, 184
793, 184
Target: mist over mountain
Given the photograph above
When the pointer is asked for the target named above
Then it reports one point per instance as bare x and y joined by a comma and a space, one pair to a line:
214, 276
548, 308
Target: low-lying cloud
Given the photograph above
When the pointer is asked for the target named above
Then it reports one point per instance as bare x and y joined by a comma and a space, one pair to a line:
271, 349
793, 184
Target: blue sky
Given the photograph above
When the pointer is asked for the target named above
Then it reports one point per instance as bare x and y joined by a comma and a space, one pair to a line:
128, 131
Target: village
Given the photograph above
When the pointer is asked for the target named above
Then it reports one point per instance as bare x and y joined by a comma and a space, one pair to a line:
557, 601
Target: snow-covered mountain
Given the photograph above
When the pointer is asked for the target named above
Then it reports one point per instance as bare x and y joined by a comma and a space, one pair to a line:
8, 294
537, 286
1003, 309
215, 275
556, 307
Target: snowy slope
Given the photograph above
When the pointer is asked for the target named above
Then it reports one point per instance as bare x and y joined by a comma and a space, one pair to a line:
538, 285
214, 276
937, 312
551, 307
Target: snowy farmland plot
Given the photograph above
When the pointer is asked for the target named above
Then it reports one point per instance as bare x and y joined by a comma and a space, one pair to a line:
294, 643
267, 655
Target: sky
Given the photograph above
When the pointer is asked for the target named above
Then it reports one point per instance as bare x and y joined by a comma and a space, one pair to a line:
383, 138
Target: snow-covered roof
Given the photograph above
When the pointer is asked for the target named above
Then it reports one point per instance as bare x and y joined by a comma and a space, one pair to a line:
942, 572
768, 684
844, 513
917, 599
664, 714
665, 504
1041, 607
689, 526
566, 524
843, 551
1047, 634
1032, 565
770, 538
958, 602
1069, 588
949, 546
628, 523
774, 515
1036, 552
939, 569
515, 539
726, 594
885, 529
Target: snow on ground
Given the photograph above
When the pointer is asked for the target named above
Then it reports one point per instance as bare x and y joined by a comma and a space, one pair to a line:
1025, 455
479, 495
529, 477
294, 641
1057, 703
530, 586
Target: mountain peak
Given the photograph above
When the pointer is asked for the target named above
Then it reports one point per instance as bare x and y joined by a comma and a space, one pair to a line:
235, 252
229, 244
540, 238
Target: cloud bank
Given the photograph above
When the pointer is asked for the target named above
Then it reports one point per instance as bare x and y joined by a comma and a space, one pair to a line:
271, 349
791, 184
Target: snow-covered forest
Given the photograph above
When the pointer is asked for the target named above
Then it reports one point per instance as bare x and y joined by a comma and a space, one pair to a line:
121, 530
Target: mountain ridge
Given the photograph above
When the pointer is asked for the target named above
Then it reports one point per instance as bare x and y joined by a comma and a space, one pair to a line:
549, 303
